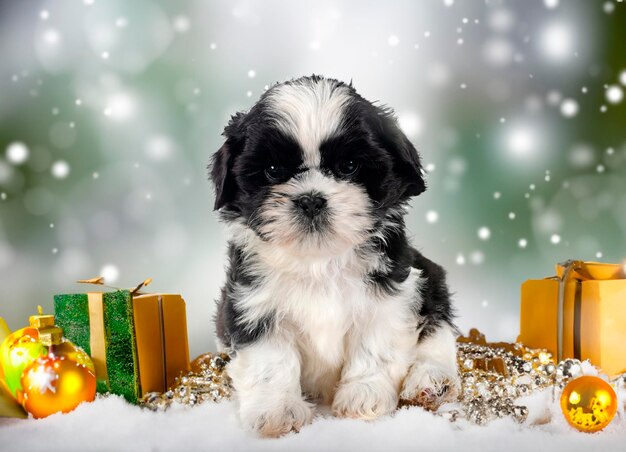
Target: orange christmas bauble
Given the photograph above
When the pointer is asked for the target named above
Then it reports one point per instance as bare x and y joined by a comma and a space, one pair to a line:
55, 383
588, 403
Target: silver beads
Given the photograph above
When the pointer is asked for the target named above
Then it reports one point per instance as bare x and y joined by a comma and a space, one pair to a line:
493, 376
207, 381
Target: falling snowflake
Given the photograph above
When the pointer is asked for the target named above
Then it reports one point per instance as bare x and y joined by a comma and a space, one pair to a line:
614, 94
110, 273
432, 216
17, 153
60, 169
569, 108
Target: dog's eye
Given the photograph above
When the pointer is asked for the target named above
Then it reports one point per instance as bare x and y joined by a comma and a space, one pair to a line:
273, 173
348, 168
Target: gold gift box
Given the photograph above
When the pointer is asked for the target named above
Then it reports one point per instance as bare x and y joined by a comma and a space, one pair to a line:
579, 313
137, 341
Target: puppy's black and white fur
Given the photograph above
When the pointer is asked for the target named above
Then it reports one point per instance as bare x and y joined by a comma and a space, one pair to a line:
325, 299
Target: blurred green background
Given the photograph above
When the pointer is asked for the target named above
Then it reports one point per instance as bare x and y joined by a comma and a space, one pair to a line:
109, 111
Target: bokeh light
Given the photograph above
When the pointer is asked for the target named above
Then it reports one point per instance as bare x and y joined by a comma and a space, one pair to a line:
614, 94
523, 141
569, 108
557, 42
120, 107
484, 233
60, 169
411, 124
17, 153
110, 273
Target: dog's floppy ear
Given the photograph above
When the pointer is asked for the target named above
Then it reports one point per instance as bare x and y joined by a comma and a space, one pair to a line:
406, 160
222, 162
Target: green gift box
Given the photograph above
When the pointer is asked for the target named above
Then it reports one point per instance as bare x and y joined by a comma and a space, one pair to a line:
137, 342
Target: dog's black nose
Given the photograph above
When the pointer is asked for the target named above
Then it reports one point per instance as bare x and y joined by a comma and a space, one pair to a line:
311, 205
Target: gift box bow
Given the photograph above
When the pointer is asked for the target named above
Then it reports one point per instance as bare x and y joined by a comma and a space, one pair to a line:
584, 270
100, 282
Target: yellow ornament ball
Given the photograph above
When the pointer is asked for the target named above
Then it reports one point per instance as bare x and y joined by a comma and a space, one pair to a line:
54, 383
18, 351
588, 403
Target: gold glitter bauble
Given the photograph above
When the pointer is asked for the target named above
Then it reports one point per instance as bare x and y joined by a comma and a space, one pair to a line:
55, 383
588, 403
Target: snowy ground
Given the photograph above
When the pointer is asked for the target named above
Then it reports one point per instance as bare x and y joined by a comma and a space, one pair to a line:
112, 424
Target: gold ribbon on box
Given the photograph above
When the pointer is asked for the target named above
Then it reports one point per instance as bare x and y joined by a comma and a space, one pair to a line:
579, 271
97, 343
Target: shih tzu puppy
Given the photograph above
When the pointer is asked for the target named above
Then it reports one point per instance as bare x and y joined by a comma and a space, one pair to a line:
325, 300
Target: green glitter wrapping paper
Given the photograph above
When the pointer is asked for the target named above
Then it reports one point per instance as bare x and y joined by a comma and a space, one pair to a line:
102, 387
71, 312
121, 350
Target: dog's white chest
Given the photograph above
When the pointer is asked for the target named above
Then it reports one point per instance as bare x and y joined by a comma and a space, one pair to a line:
323, 310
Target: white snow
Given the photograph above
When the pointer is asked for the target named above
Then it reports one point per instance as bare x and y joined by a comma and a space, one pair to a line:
112, 424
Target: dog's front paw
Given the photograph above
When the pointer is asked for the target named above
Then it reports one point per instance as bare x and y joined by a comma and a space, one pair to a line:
364, 400
429, 384
277, 419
